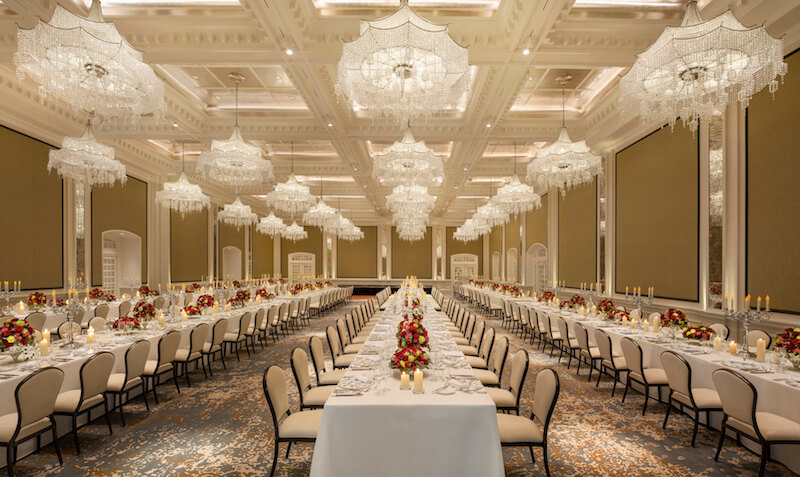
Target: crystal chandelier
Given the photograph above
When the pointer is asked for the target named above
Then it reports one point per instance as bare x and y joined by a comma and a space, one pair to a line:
491, 214
294, 233
182, 196
564, 164
271, 225
321, 214
479, 225
410, 229
88, 64
86, 161
700, 66
413, 198
346, 230
516, 197
408, 162
237, 214
403, 66
291, 196
466, 233
234, 162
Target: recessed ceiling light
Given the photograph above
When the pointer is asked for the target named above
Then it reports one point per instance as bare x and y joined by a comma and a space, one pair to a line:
488, 125
289, 51
195, 77
355, 169
526, 52
175, 124
278, 77
330, 125
465, 168
217, 97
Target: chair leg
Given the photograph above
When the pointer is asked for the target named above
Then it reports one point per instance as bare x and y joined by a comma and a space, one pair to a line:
153, 384
55, 439
175, 378
546, 463
144, 397
696, 424
721, 437
10, 459
669, 408
186, 373
614, 387
203, 364
274, 460
108, 415
600, 375
764, 458
121, 411
288, 448
646, 398
75, 433
627, 385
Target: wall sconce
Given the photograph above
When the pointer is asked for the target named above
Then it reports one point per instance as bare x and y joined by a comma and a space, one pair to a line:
383, 251
329, 243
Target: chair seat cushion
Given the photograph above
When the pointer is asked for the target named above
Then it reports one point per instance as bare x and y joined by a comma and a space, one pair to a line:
573, 343
67, 402
476, 362
331, 377
317, 396
344, 360
352, 348
592, 353
654, 376
8, 424
207, 348
619, 363
233, 337
116, 382
183, 355
150, 368
704, 398
359, 340
555, 335
468, 350
503, 399
301, 425
461, 341
518, 429
487, 378
777, 428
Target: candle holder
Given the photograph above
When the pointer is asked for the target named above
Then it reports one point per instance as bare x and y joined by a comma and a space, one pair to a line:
73, 307
638, 302
7, 294
746, 317
588, 296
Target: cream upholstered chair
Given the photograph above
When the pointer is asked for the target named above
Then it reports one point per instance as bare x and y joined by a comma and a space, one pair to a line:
340, 359
472, 350
94, 375
720, 329
310, 397
283, 317
589, 354
168, 346
610, 361
469, 328
259, 328
508, 399
568, 343
98, 323
233, 339
481, 359
519, 431
63, 329
101, 310
344, 337
740, 414
754, 335
640, 374
125, 307
318, 360
213, 347
120, 384
193, 352
160, 303
274, 320
289, 427
36, 320
681, 392
492, 375
353, 331
35, 398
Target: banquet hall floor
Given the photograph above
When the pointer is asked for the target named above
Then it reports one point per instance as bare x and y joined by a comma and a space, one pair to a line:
222, 426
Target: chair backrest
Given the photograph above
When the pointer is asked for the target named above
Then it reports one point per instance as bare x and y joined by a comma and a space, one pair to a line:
544, 322
36, 320
351, 326
101, 310
636, 315
738, 395
135, 359
244, 322
603, 344
197, 338
277, 394
655, 315
317, 355
98, 323
487, 343
160, 303
581, 335
753, 337
272, 315
260, 319
218, 332
94, 374
679, 373
333, 341
470, 326
548, 387
168, 345
36, 395
125, 307
283, 312
63, 329
519, 370
293, 307
299, 360
500, 356
720, 329
563, 330
342, 329
633, 354
477, 333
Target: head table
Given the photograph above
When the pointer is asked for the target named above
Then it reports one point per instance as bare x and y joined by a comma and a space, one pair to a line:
384, 431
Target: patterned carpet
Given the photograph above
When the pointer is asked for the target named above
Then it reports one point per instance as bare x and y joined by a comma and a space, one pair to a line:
222, 426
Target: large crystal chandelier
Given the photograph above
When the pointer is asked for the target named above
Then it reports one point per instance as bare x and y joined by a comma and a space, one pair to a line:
411, 198
291, 196
408, 162
181, 195
294, 233
237, 214
516, 197
491, 214
87, 161
88, 64
410, 229
234, 162
403, 66
345, 229
466, 233
700, 66
321, 214
271, 225
564, 164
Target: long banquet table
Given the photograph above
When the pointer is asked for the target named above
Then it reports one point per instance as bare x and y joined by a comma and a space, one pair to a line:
389, 432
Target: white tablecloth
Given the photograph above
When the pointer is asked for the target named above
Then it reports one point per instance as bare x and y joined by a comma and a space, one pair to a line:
399, 433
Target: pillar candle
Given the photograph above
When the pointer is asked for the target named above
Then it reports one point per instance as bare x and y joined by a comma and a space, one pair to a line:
90, 335
161, 318
624, 321
46, 335
404, 381
633, 323
717, 344
761, 350
44, 347
418, 381
732, 347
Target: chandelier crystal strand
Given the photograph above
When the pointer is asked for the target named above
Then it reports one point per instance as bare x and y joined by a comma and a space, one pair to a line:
700, 66
516, 197
86, 161
490, 213
564, 164
403, 66
89, 65
413, 198
234, 162
271, 225
321, 214
408, 162
181, 195
294, 233
237, 214
291, 196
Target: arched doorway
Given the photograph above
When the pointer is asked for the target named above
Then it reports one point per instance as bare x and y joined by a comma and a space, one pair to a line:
463, 266
536, 266
301, 264
496, 266
511, 265
122, 260
231, 263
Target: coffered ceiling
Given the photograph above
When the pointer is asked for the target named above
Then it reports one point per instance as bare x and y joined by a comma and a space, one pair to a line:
288, 106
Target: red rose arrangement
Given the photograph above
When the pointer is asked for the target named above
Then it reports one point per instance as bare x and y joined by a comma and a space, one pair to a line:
126, 322
243, 295
789, 340
697, 333
37, 299
296, 289
109, 297
58, 303
205, 301
144, 311
16, 332
308, 286
281, 280
618, 314
193, 287
412, 334
191, 310
674, 317
547, 296
605, 306
408, 359
96, 294
145, 290
262, 292
565, 304
236, 302
236, 284
318, 284
577, 301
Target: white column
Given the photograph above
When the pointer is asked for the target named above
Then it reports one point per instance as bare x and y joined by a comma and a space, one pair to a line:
487, 262
276, 255
734, 206
552, 232
703, 211
325, 254
503, 273
611, 220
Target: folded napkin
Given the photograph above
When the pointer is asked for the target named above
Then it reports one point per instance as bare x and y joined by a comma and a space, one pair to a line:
464, 385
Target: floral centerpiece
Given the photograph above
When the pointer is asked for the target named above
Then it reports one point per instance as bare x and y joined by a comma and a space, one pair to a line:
243, 295
17, 337
328, 283
296, 289
144, 311
605, 306
59, 303
95, 294
145, 290
547, 296
270, 281
126, 323
577, 301
318, 284
193, 287
191, 310
788, 343
263, 293
618, 315
37, 299
236, 284
565, 304
281, 280
109, 297
411, 333
205, 301
697, 333
308, 286
235, 302
673, 318
409, 359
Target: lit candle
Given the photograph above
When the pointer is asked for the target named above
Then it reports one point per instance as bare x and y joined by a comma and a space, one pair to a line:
633, 323
717, 344
747, 302
404, 381
161, 318
761, 350
184, 315
90, 335
46, 335
54, 296
624, 321
44, 347
418, 381
725, 303
767, 302
758, 306
626, 293
21, 307
732, 347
